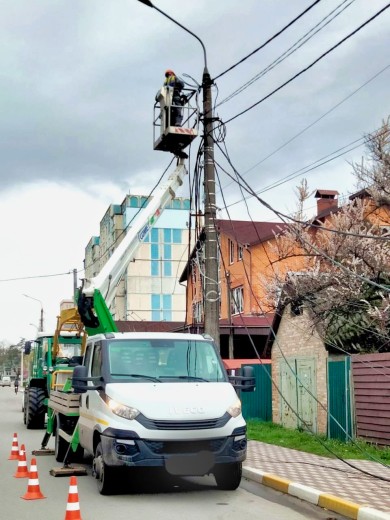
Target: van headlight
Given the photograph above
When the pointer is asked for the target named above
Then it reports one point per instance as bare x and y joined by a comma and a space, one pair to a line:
127, 412
235, 409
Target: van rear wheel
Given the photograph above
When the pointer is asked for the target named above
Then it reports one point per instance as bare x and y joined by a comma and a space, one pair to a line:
228, 476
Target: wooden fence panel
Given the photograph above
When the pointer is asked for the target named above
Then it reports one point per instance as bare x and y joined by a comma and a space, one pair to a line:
371, 383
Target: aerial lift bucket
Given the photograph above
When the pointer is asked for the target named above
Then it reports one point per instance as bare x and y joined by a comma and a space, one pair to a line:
168, 136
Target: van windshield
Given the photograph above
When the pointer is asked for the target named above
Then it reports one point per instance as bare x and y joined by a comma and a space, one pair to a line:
164, 360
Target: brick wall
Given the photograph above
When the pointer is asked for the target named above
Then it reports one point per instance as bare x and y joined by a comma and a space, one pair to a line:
296, 340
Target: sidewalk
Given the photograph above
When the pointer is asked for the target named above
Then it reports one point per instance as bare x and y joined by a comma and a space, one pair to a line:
329, 483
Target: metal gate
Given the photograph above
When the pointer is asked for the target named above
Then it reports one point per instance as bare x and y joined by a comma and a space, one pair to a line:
258, 404
339, 400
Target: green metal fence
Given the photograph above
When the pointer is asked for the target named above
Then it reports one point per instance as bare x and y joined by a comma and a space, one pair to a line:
258, 404
339, 400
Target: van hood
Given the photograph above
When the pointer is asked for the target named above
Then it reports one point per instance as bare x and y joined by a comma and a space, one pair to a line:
179, 401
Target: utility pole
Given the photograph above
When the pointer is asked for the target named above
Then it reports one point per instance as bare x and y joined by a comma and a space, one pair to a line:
211, 296
41, 315
74, 284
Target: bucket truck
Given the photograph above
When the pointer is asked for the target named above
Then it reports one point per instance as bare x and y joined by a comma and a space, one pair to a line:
147, 400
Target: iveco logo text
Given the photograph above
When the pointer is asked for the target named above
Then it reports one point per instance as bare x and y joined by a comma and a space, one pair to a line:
189, 410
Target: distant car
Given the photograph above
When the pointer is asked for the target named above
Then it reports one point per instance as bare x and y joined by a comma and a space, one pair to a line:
5, 381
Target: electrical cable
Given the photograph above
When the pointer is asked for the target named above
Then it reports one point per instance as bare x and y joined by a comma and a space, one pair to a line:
313, 123
307, 389
247, 188
128, 225
296, 376
35, 277
269, 40
302, 71
289, 51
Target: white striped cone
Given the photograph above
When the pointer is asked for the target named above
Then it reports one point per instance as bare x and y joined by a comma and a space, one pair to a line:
14, 455
33, 490
22, 471
73, 506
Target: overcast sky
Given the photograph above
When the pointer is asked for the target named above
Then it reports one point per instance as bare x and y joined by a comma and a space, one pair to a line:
78, 81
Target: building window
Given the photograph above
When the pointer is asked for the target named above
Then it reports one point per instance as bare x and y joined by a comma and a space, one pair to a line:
237, 300
176, 238
198, 312
161, 307
231, 251
240, 252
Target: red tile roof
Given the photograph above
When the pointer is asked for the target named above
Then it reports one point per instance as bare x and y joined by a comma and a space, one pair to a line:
248, 232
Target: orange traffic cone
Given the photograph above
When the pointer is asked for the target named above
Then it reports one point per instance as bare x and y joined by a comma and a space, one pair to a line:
33, 489
73, 506
14, 455
22, 471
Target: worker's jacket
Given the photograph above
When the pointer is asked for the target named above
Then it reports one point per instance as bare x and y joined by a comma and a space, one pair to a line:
177, 85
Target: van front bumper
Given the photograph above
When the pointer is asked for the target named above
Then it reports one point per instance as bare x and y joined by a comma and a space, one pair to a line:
179, 457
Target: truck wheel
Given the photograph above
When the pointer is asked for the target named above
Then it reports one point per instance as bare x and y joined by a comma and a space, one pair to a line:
104, 474
228, 476
24, 408
36, 409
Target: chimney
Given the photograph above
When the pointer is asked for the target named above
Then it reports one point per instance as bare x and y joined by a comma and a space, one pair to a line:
326, 200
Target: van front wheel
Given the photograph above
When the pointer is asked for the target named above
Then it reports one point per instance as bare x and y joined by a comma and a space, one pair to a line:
228, 476
103, 473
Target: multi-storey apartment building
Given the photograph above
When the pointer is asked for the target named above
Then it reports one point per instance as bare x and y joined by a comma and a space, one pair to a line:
149, 290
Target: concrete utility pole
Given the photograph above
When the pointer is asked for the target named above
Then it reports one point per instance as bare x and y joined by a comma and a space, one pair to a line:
211, 304
74, 284
211, 296
41, 315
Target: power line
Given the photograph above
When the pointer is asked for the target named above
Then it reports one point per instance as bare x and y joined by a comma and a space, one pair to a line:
318, 251
311, 64
301, 171
35, 277
312, 124
269, 40
288, 52
128, 225
294, 411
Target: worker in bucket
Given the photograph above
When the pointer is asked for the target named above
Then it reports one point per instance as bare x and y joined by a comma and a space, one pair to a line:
176, 85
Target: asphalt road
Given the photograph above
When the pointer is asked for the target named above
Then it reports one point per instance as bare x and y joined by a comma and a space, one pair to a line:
145, 496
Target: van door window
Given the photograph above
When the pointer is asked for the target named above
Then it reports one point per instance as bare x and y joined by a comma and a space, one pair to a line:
96, 368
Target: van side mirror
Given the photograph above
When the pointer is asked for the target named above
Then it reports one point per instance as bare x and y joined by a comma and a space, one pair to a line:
248, 379
80, 380
27, 347
245, 382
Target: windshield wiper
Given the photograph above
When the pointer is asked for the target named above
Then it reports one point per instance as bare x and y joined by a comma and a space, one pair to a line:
193, 378
143, 376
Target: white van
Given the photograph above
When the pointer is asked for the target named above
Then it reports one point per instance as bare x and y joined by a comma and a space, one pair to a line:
158, 400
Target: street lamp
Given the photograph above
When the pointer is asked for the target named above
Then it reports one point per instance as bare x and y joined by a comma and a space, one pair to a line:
41, 318
211, 305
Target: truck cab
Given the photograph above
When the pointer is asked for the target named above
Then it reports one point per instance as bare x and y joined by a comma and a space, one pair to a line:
159, 400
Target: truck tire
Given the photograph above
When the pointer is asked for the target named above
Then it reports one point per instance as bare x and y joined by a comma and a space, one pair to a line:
228, 476
24, 407
36, 409
104, 475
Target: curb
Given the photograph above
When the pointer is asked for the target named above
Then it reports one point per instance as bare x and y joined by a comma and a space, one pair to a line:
312, 495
